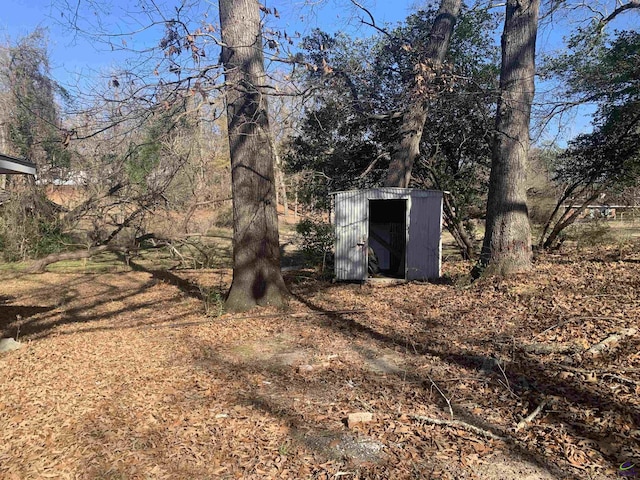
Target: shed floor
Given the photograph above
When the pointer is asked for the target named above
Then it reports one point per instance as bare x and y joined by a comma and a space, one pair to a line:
386, 280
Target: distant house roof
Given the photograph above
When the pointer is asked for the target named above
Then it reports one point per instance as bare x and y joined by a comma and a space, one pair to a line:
13, 165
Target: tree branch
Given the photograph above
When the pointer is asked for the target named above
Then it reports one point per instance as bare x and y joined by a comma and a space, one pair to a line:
618, 11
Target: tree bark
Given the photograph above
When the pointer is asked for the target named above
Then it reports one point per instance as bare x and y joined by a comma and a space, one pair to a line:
507, 242
280, 185
257, 279
407, 150
285, 199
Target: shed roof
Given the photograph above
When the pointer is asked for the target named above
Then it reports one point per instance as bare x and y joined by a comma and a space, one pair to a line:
392, 190
12, 165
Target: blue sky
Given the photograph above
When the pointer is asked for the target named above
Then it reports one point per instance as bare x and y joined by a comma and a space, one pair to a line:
73, 57
70, 53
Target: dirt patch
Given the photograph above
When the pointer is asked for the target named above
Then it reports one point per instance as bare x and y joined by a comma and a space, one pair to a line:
498, 467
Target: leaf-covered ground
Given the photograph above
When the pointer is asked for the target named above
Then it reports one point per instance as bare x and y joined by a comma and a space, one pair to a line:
123, 376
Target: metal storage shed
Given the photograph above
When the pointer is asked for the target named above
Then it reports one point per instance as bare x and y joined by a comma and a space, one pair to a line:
401, 226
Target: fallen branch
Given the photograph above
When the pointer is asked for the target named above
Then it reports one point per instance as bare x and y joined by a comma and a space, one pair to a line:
627, 370
506, 380
603, 374
459, 424
573, 319
38, 266
611, 341
569, 368
559, 324
529, 418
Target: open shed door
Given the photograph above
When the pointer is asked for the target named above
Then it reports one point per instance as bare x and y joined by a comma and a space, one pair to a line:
388, 222
424, 247
351, 220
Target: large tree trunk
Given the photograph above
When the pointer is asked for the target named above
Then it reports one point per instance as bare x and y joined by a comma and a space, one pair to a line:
407, 150
257, 279
507, 242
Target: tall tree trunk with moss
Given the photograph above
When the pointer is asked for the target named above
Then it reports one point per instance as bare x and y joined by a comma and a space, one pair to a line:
407, 150
257, 279
507, 242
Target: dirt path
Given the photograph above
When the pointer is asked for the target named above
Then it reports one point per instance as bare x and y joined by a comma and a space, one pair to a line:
122, 376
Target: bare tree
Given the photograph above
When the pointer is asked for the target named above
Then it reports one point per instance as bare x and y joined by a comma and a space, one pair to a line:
507, 241
407, 151
257, 279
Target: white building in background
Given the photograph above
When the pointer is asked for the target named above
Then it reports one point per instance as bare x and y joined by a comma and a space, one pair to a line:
12, 166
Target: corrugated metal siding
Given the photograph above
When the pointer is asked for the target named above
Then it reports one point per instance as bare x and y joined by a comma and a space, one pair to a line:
424, 245
352, 230
351, 217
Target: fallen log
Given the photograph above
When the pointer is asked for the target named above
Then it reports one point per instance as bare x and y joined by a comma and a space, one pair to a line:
39, 265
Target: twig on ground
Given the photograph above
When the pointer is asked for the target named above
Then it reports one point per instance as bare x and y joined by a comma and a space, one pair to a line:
559, 324
442, 394
607, 295
506, 380
573, 319
459, 424
620, 379
529, 418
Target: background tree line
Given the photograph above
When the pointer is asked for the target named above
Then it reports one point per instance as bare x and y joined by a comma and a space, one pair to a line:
432, 103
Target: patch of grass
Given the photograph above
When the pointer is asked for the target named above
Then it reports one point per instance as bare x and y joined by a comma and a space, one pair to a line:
101, 263
589, 234
13, 267
214, 298
283, 450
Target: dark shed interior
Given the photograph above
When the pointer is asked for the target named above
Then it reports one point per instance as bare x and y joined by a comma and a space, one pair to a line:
387, 237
